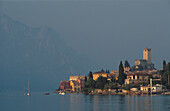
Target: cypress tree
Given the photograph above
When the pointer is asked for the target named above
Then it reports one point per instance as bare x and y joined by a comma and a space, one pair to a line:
102, 70
164, 65
90, 75
127, 64
168, 67
85, 79
108, 71
122, 76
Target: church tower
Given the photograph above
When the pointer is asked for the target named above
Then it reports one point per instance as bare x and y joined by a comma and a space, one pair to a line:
147, 55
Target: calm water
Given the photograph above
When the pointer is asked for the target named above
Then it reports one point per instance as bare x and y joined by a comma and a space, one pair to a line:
79, 102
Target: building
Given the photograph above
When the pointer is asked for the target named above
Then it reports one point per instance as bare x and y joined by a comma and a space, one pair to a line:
140, 62
81, 83
152, 88
135, 78
103, 74
65, 85
126, 70
77, 82
147, 55
114, 71
99, 73
76, 77
145, 63
76, 87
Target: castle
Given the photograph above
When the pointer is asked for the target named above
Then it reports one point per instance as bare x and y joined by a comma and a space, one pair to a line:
145, 63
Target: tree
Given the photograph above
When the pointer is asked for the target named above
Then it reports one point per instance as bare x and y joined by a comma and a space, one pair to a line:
90, 75
164, 78
107, 71
168, 67
85, 79
164, 65
127, 64
165, 73
90, 83
122, 76
102, 70
101, 81
111, 85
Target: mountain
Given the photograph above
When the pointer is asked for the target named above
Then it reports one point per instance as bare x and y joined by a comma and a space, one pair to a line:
35, 54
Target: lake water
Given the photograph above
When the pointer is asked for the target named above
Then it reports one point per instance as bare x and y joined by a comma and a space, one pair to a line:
80, 102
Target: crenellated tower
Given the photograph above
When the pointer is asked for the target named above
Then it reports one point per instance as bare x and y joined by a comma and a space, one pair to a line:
147, 55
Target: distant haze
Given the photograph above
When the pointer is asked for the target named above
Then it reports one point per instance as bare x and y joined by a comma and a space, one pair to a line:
104, 31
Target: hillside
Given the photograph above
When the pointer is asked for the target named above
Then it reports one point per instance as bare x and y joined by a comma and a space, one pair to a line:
35, 54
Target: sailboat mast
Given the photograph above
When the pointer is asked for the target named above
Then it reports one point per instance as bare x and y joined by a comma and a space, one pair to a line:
28, 86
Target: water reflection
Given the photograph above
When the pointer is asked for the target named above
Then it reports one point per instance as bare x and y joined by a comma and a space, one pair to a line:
80, 102
119, 103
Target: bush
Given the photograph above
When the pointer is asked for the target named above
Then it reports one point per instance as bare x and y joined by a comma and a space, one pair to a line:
111, 86
127, 87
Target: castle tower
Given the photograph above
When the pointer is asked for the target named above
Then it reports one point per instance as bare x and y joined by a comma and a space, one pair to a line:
147, 55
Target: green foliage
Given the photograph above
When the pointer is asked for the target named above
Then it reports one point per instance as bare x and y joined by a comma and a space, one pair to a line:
85, 79
102, 70
90, 75
168, 86
113, 79
128, 86
107, 71
164, 79
168, 66
165, 73
137, 85
111, 85
90, 83
101, 81
86, 91
127, 64
122, 76
164, 65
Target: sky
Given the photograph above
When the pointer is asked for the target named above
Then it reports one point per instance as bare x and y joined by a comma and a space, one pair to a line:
105, 31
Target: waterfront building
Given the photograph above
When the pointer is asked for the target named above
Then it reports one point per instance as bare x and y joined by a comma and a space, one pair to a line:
103, 74
152, 89
77, 77
135, 78
65, 85
76, 87
81, 83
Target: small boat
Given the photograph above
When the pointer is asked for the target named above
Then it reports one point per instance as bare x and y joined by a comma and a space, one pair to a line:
46, 93
28, 93
28, 90
62, 93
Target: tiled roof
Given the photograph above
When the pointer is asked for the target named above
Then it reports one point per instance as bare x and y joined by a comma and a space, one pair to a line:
139, 74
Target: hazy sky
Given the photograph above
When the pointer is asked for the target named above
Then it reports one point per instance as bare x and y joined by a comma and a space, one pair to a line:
105, 31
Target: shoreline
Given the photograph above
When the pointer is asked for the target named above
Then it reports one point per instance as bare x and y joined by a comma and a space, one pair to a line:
118, 93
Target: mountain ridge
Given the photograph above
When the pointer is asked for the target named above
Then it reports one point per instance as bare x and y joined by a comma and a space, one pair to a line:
37, 54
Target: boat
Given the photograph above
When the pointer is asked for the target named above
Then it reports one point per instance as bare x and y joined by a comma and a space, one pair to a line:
62, 93
28, 90
46, 93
